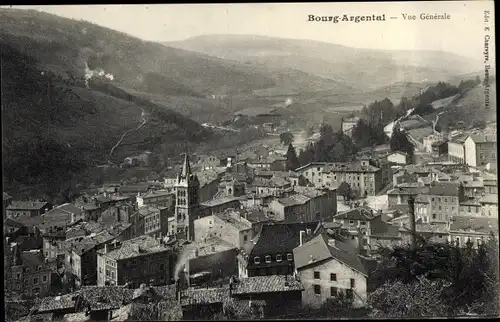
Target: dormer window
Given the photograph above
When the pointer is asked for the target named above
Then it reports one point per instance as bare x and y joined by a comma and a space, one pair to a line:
268, 258
278, 258
289, 257
256, 260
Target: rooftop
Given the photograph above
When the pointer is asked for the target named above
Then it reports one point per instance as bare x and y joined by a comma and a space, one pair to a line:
139, 246
349, 167
196, 296
63, 302
492, 199
219, 201
483, 138
234, 218
153, 194
318, 249
474, 224
207, 247
27, 205
280, 237
444, 188
266, 284
360, 213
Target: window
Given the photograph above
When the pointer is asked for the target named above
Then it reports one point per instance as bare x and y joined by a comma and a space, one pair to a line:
26, 282
351, 222
333, 291
317, 289
333, 277
245, 238
433, 216
352, 282
162, 267
278, 258
256, 260
363, 223
268, 258
35, 280
44, 278
289, 257
18, 276
349, 294
316, 275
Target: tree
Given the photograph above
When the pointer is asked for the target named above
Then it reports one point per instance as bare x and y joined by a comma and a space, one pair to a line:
292, 161
310, 131
345, 190
399, 142
286, 138
306, 156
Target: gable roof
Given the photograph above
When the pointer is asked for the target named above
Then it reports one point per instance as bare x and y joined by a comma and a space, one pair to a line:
483, 138
319, 250
27, 205
438, 188
280, 237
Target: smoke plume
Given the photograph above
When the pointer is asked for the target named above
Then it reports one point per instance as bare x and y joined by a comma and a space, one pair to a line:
99, 72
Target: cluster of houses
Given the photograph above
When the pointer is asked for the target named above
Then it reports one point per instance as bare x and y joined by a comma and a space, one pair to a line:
239, 234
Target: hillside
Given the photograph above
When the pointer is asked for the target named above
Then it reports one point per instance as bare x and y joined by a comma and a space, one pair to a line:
366, 67
65, 45
55, 129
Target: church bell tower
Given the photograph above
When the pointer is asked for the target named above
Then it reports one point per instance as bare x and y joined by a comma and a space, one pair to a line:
187, 201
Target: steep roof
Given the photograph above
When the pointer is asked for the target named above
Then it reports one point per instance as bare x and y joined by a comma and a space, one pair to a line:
280, 237
483, 138
318, 249
56, 303
349, 167
444, 188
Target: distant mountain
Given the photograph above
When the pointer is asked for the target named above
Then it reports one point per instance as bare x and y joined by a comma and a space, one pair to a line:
353, 66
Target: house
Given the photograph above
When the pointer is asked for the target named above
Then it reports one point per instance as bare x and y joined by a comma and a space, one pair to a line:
7, 200
219, 205
275, 186
81, 257
272, 162
349, 124
27, 208
327, 267
30, 273
383, 234
209, 186
61, 217
473, 188
476, 229
209, 162
152, 221
131, 190
305, 204
209, 260
480, 150
490, 183
279, 293
489, 206
58, 306
456, 149
156, 198
272, 252
229, 226
470, 207
364, 178
356, 221
198, 303
230, 186
136, 261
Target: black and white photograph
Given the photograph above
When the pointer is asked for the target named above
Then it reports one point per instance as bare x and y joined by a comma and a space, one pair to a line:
249, 161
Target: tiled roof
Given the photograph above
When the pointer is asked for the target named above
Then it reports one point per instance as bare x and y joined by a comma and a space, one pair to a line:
474, 224
33, 258
489, 199
138, 246
218, 202
420, 133
27, 205
196, 296
293, 200
483, 138
38, 317
206, 247
444, 188
359, 213
153, 194
280, 237
63, 302
349, 167
266, 284
318, 249
408, 191
379, 228
235, 219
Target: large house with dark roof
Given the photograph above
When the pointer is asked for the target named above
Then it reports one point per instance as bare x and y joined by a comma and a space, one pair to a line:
327, 267
480, 150
30, 274
272, 253
27, 208
139, 260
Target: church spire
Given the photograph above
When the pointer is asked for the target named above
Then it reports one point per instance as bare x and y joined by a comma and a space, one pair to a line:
186, 167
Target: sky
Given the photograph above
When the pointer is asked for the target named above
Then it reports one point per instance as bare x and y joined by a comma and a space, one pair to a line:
463, 34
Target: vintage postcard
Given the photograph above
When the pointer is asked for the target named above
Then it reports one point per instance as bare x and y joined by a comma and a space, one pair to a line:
249, 161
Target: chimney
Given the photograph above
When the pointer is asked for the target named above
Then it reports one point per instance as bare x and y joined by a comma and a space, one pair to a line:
411, 204
331, 241
301, 233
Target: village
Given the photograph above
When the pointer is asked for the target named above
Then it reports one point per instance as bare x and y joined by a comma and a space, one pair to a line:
248, 232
